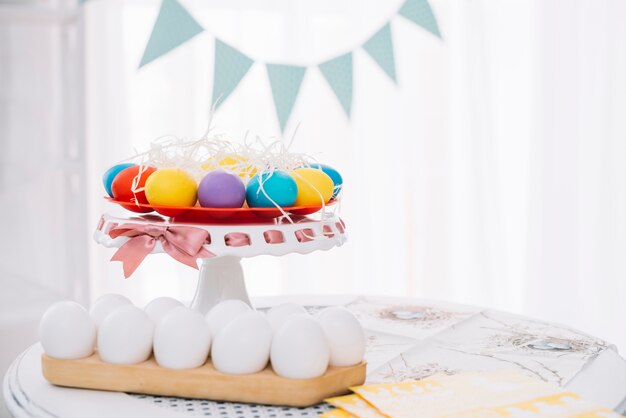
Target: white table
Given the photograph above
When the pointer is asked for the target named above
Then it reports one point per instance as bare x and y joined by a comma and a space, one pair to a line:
407, 339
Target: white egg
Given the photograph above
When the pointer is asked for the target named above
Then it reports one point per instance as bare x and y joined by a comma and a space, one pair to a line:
281, 313
182, 339
224, 312
67, 331
125, 336
300, 349
243, 346
105, 305
157, 308
345, 336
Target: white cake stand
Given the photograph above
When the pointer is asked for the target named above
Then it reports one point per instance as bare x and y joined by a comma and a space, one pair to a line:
221, 277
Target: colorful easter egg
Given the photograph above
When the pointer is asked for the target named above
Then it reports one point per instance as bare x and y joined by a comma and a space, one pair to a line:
109, 176
334, 176
171, 187
238, 163
220, 189
314, 187
122, 186
278, 187
232, 163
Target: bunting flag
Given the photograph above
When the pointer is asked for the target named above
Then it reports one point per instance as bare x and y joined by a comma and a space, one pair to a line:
338, 73
380, 48
420, 13
230, 67
285, 81
173, 27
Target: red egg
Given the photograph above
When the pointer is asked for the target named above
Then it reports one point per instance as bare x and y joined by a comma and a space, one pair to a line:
122, 187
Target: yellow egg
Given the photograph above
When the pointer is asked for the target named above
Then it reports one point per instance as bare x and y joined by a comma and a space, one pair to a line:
311, 184
171, 187
207, 166
233, 164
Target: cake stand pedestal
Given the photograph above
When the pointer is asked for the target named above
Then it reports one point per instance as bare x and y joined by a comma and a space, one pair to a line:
221, 276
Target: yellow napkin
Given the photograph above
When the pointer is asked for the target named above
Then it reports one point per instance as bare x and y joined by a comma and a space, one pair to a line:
502, 394
356, 406
336, 413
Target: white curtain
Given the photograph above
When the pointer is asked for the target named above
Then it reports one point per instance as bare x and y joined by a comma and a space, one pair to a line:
42, 172
491, 174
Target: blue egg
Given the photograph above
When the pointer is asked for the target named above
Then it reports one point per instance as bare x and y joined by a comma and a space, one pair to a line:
110, 174
333, 174
279, 186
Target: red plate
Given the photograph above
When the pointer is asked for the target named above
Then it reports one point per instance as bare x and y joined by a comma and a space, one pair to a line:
200, 214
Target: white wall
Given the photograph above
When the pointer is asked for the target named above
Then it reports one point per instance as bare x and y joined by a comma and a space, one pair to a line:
492, 174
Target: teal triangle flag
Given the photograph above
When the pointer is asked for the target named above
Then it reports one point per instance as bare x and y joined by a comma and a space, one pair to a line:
380, 48
285, 81
420, 13
230, 67
338, 73
173, 27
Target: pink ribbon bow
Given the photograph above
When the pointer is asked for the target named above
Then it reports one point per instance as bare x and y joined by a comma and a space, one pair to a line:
183, 243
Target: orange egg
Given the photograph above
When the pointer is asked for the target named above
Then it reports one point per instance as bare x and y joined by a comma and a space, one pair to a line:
122, 186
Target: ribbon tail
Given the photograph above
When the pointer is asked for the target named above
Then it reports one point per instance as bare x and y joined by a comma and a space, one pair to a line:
204, 253
184, 257
133, 252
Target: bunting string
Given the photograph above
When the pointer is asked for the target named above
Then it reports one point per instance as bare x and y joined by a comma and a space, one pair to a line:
174, 26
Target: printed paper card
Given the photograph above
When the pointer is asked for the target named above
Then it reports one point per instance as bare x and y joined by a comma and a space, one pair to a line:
414, 319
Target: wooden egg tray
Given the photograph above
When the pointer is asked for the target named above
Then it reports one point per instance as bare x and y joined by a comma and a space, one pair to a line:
205, 382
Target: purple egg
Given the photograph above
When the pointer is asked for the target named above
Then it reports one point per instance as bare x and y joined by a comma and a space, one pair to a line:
220, 189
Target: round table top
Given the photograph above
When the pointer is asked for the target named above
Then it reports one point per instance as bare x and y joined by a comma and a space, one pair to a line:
408, 339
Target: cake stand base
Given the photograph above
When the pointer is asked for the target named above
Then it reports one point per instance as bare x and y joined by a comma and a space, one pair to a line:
220, 278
